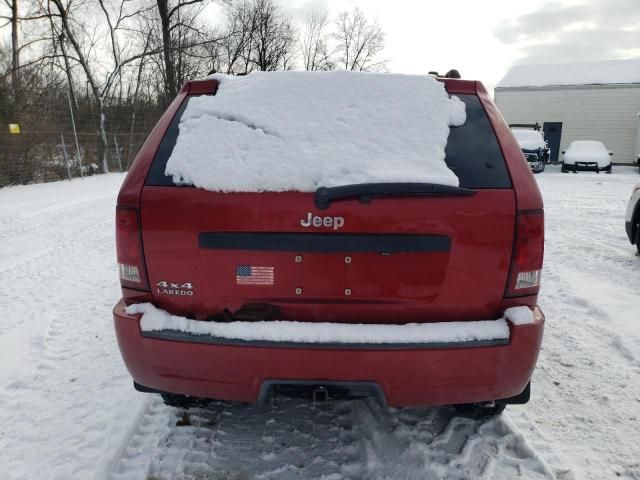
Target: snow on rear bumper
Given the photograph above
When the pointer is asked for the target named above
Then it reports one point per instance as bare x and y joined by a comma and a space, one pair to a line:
433, 373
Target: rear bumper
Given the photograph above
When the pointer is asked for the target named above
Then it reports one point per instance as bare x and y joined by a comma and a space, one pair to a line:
586, 167
537, 167
406, 376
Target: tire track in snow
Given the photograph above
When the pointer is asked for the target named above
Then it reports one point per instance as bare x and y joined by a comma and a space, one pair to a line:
52, 407
437, 443
49, 237
28, 222
343, 440
588, 373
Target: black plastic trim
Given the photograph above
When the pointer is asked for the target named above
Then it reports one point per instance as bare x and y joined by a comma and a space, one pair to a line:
366, 191
143, 389
178, 336
519, 399
324, 242
375, 390
156, 175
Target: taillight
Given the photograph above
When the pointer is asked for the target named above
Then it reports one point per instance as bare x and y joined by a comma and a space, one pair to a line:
526, 263
129, 249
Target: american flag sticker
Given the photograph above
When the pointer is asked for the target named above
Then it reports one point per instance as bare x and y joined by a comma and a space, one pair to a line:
253, 275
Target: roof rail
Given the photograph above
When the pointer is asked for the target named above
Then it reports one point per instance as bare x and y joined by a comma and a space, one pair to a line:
453, 73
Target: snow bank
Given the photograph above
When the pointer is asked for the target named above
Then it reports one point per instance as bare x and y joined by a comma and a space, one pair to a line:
284, 131
529, 139
155, 319
583, 73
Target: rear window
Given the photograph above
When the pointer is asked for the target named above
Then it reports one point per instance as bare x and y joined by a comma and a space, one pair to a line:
472, 151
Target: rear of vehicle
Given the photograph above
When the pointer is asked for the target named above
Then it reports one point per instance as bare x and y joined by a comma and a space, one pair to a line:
355, 257
586, 155
533, 146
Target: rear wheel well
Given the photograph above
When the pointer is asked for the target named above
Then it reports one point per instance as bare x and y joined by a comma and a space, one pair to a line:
635, 222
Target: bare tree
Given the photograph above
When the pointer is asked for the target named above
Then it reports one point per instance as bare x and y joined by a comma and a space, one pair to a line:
238, 43
274, 38
100, 81
359, 42
186, 43
15, 20
314, 43
135, 96
15, 52
170, 21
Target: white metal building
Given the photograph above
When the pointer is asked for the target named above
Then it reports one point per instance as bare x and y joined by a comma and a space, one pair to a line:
577, 101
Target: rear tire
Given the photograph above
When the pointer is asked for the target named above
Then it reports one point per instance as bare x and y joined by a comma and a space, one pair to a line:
477, 410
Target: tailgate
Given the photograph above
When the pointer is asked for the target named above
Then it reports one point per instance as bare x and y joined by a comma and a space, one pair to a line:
392, 260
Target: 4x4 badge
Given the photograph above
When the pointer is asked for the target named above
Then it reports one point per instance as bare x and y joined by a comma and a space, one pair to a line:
170, 288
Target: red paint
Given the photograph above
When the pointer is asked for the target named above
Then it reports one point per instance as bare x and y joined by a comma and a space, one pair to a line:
407, 377
132, 187
468, 282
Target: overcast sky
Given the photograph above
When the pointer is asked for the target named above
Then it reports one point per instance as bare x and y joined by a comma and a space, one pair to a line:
483, 39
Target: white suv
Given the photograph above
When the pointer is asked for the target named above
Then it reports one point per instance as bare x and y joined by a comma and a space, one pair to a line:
632, 217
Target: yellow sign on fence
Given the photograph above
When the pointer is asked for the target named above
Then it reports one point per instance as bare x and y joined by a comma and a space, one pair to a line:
14, 128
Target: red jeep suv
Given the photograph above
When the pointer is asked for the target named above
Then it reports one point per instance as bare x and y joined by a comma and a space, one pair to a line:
408, 288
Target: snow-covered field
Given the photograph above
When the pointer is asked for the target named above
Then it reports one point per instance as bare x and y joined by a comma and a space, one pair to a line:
68, 410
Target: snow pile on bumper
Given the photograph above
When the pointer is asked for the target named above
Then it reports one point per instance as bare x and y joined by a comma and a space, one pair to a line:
155, 319
297, 131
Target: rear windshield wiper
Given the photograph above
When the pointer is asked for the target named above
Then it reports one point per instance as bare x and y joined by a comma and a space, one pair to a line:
366, 191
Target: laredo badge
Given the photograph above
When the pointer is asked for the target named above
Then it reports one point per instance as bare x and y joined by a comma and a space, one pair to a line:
170, 288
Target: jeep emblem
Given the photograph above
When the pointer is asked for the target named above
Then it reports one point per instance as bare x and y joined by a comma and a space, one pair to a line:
317, 222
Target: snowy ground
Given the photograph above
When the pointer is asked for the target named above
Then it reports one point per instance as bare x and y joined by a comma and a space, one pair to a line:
67, 408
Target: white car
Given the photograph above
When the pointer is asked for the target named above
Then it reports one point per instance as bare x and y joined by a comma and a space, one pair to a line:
586, 155
632, 217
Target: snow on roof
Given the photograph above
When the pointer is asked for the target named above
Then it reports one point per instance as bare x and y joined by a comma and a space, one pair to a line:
529, 139
297, 131
586, 73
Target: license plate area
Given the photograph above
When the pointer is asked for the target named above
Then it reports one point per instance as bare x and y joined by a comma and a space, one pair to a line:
336, 266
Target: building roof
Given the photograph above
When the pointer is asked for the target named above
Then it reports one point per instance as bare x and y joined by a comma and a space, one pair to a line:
609, 72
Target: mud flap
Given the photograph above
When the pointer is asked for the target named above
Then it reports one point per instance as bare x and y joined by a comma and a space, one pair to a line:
519, 399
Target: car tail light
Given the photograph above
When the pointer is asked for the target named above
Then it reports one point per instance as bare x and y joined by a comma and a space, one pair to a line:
129, 249
526, 263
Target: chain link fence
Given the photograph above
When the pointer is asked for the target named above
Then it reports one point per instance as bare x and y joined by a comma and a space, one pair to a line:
48, 147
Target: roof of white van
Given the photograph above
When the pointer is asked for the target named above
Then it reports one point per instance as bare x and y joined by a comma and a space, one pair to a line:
609, 72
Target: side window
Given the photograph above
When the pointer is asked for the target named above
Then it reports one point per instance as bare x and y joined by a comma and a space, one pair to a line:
473, 152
